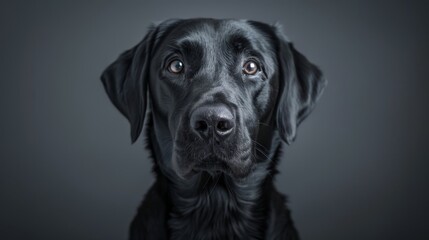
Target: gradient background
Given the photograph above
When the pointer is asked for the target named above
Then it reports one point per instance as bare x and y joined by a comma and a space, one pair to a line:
359, 167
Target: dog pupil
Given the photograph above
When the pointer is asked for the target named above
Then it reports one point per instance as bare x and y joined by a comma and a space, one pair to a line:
176, 66
251, 67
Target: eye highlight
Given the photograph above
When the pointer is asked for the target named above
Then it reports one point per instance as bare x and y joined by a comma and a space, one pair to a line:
176, 66
251, 67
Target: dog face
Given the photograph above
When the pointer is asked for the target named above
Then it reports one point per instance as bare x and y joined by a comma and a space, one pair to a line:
211, 80
212, 84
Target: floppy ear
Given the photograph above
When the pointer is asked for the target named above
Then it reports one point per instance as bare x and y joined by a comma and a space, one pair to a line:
301, 85
125, 82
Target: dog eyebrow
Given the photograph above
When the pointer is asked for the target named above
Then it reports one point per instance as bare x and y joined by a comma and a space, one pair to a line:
189, 46
239, 42
186, 46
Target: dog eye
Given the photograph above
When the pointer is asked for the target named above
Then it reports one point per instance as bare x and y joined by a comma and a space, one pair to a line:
175, 66
250, 67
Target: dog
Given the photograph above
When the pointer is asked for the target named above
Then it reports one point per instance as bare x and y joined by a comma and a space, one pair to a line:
217, 98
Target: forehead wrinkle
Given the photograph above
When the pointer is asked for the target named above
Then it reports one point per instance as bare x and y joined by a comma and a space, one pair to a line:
246, 31
202, 35
189, 46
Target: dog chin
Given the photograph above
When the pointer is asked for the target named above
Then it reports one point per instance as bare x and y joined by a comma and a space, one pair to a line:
213, 166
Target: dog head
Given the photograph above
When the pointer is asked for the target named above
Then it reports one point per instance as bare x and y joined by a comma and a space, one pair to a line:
212, 84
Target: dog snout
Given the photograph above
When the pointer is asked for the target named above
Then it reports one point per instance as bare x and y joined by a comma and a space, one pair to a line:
213, 121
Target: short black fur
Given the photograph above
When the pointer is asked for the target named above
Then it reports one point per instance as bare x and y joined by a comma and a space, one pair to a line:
214, 131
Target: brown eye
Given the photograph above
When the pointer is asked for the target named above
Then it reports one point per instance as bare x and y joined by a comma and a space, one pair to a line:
250, 67
175, 66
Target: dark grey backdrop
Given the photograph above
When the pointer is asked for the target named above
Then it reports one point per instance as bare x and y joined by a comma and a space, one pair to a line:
358, 170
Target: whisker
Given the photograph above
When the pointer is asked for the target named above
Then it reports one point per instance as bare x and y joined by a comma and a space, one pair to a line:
262, 146
261, 152
268, 172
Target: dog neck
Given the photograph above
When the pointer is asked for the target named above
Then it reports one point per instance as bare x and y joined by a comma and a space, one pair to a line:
220, 206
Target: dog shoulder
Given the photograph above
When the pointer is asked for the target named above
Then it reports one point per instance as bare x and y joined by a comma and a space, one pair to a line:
151, 218
280, 224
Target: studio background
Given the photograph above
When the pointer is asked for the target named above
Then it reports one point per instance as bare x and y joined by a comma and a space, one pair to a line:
359, 166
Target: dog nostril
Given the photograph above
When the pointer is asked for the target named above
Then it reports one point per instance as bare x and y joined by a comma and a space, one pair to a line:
201, 126
223, 126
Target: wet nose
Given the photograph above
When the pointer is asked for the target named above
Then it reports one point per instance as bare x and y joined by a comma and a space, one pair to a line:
217, 119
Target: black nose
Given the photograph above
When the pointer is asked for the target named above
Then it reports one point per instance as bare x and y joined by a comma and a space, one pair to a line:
217, 119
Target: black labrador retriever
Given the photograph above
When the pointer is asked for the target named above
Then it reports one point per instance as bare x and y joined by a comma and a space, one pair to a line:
222, 95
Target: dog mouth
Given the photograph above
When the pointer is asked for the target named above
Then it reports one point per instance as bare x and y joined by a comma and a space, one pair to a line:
213, 163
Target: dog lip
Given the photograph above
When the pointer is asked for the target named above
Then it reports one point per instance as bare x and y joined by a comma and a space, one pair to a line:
211, 163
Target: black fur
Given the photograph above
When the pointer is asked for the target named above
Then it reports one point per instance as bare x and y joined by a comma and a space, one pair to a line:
214, 188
